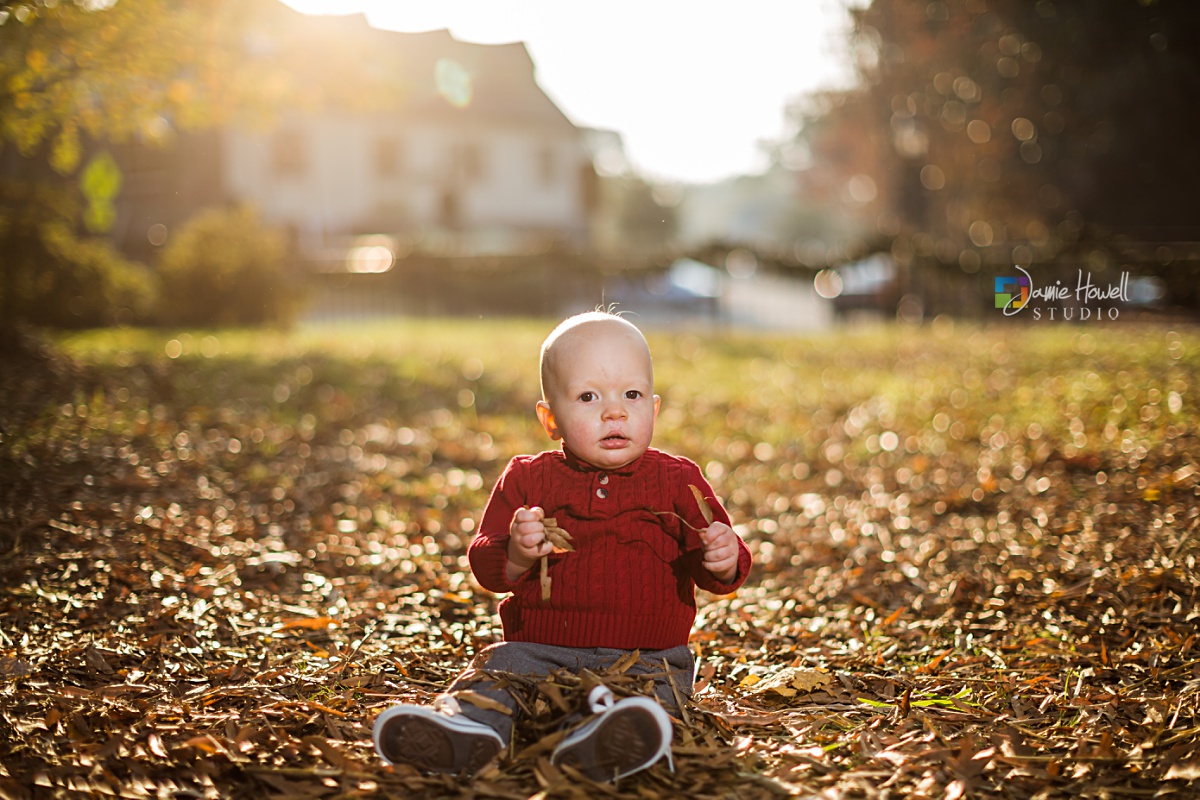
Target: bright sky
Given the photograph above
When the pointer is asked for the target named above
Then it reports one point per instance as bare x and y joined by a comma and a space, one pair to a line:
691, 85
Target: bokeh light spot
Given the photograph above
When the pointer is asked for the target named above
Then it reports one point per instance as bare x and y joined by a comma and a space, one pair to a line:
453, 82
979, 131
741, 263
862, 188
981, 233
1024, 129
967, 90
932, 177
371, 254
828, 284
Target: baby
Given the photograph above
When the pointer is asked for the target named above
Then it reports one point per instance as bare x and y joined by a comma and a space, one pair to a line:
637, 530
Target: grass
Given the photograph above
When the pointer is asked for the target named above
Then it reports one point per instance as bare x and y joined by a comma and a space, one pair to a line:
1051, 377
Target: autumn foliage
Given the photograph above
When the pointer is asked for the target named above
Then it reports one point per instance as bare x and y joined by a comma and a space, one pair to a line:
975, 560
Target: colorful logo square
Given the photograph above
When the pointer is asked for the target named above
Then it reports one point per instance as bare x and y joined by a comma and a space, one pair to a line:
1012, 292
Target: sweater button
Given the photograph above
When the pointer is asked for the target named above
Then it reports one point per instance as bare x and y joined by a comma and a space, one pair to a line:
604, 478
602, 493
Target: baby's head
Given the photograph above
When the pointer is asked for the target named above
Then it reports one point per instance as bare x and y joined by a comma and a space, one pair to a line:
598, 389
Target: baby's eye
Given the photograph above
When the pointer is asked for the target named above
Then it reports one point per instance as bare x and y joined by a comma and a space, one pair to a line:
587, 397
632, 394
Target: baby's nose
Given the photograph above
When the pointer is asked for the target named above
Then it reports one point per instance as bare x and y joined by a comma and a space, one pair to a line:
614, 410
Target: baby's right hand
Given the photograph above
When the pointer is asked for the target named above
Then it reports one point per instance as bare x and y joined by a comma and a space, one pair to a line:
527, 540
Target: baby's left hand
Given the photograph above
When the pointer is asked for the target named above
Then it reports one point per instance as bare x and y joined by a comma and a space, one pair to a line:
720, 551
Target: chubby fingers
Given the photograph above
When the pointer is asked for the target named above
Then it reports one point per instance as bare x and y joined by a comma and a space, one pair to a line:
531, 514
528, 521
722, 553
529, 532
718, 534
720, 549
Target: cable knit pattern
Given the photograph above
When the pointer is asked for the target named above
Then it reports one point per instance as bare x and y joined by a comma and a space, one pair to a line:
631, 581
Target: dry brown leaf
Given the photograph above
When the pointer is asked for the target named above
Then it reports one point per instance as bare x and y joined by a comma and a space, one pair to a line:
705, 508
554, 695
327, 750
205, 743
559, 538
156, 745
546, 773
14, 668
622, 665
790, 681
1184, 771
482, 701
97, 661
308, 624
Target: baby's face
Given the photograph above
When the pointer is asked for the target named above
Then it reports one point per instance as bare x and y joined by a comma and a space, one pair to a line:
600, 398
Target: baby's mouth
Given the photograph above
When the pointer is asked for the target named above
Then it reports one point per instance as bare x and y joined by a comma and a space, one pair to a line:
613, 439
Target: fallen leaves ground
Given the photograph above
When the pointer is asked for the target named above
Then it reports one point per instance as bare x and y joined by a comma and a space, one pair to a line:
222, 554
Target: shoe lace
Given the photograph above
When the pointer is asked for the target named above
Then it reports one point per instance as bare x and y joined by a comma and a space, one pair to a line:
447, 704
600, 698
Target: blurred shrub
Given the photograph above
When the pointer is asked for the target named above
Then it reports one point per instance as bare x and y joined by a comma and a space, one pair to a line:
225, 267
51, 275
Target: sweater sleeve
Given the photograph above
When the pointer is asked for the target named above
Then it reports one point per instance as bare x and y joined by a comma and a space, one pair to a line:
488, 551
687, 507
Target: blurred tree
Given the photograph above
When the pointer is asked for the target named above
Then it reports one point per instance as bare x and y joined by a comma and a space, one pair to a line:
78, 76
53, 275
106, 71
842, 171
1034, 132
75, 73
225, 267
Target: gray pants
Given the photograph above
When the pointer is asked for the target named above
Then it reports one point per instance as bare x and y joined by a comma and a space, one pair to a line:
528, 658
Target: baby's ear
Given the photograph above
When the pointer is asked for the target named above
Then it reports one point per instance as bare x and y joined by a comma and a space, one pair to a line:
546, 417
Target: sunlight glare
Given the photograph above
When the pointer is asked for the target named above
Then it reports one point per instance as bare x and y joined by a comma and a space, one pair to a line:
453, 82
694, 95
371, 254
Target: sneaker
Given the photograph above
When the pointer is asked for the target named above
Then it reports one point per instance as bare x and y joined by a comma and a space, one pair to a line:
623, 738
435, 740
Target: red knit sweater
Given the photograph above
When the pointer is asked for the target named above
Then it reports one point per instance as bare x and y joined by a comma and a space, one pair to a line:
631, 581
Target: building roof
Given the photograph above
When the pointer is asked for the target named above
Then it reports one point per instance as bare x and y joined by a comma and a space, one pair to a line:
429, 75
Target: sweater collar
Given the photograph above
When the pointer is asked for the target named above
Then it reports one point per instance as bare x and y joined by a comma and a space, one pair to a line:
579, 465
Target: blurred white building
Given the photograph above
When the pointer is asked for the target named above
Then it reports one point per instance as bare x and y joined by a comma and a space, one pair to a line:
435, 142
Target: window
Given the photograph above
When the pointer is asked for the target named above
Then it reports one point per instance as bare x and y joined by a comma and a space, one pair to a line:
468, 159
289, 156
387, 157
547, 165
